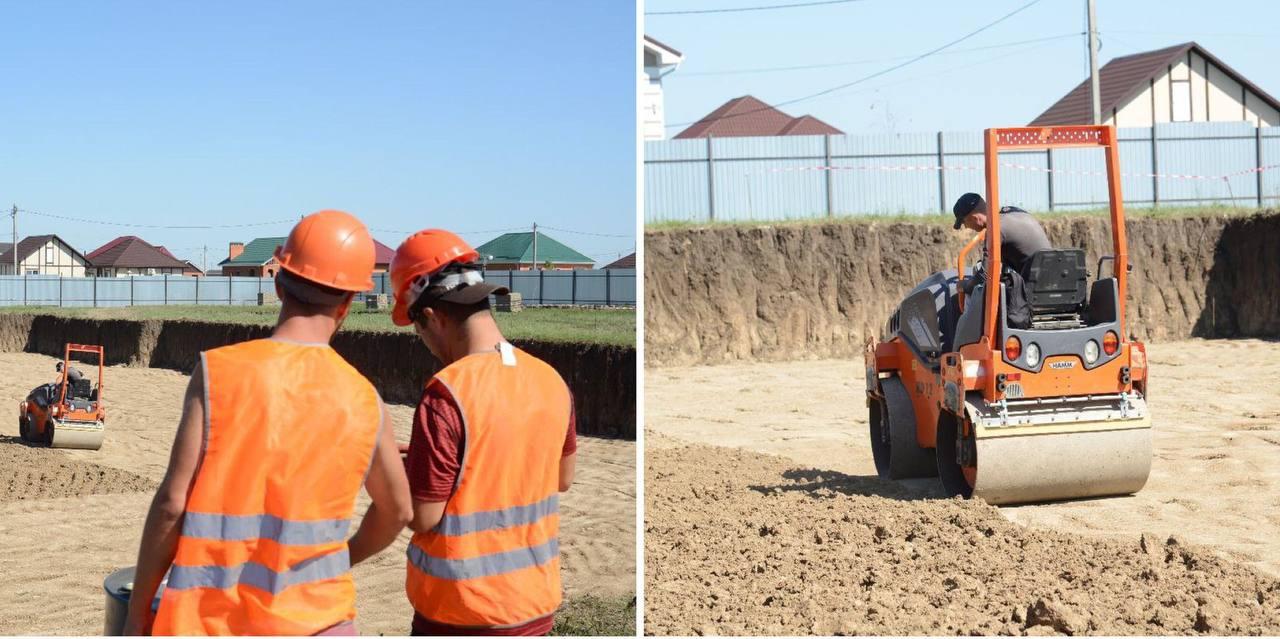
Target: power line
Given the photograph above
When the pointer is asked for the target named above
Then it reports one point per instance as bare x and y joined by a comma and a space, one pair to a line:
873, 75
159, 226
871, 61
552, 228
740, 9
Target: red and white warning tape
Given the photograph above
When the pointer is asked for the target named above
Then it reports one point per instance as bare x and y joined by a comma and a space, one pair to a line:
1024, 167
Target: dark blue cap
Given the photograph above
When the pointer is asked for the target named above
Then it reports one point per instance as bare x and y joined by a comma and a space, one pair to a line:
964, 206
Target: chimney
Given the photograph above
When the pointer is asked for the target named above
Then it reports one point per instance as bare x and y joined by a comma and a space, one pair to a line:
235, 250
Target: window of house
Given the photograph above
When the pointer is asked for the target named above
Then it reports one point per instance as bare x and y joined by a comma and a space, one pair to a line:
48, 255
1181, 100
33, 271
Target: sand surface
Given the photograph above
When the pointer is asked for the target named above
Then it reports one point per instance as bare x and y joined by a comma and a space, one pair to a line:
58, 543
1214, 480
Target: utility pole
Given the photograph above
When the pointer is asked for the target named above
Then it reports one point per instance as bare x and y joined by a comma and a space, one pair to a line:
1094, 92
15, 239
204, 261
535, 246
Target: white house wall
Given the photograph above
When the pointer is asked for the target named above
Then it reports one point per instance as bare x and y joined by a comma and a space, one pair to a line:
1224, 97
1160, 98
652, 119
1135, 112
1199, 88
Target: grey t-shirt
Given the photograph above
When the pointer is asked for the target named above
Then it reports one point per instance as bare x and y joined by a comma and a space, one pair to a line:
1020, 237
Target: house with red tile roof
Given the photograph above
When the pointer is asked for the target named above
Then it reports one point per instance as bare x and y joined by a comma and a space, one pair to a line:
748, 116
131, 255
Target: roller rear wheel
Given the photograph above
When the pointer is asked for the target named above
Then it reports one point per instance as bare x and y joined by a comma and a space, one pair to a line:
905, 457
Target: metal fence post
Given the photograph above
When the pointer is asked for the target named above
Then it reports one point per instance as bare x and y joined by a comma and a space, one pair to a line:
131, 281
196, 301
942, 177
541, 292
228, 290
608, 298
24, 289
1048, 163
95, 291
573, 286
830, 171
711, 183
166, 289
1257, 146
1155, 169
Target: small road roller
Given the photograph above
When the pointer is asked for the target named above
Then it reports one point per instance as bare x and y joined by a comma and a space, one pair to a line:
68, 413
1026, 411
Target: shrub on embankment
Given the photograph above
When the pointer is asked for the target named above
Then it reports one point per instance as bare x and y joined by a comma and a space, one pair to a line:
774, 292
602, 377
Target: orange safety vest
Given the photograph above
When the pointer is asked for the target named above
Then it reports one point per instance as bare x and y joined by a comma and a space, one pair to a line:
290, 431
494, 558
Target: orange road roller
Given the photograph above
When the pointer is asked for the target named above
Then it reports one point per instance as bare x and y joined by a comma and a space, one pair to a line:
68, 413
1047, 409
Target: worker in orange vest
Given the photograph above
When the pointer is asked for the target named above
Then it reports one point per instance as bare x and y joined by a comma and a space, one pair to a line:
277, 437
493, 446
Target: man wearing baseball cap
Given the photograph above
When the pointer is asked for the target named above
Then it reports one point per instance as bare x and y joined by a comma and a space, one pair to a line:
1020, 234
493, 445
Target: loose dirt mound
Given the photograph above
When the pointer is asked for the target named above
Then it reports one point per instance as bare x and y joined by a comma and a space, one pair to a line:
742, 543
723, 294
42, 473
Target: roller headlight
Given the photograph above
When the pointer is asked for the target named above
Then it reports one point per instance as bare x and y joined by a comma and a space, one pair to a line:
1090, 352
1033, 354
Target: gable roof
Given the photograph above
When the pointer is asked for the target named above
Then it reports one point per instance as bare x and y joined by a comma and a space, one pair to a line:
518, 248
1123, 77
192, 267
749, 116
130, 251
31, 244
382, 253
666, 53
628, 261
256, 253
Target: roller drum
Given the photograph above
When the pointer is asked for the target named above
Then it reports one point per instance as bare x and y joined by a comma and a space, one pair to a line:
83, 435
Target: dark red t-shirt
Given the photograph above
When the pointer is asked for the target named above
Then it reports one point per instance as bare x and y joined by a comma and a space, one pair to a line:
433, 463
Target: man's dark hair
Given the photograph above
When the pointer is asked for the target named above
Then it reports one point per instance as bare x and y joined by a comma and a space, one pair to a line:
459, 312
309, 297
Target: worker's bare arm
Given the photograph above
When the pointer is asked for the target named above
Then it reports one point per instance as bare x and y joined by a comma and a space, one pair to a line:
426, 515
392, 506
163, 525
568, 464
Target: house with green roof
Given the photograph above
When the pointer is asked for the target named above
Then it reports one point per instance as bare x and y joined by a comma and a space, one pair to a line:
255, 259
519, 252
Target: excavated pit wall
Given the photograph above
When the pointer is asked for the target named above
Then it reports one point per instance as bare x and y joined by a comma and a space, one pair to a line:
602, 378
722, 294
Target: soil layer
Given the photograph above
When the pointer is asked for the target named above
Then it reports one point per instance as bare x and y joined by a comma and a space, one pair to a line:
736, 293
602, 377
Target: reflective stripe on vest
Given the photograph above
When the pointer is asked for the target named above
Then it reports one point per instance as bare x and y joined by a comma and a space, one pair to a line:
454, 525
484, 565
494, 558
259, 576
262, 549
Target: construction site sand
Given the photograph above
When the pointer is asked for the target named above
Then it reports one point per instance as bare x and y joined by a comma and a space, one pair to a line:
727, 530
57, 545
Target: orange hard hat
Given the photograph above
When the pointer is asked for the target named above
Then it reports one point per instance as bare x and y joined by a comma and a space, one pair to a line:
330, 248
421, 255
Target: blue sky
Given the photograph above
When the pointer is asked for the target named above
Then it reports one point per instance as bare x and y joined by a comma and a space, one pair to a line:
964, 89
464, 115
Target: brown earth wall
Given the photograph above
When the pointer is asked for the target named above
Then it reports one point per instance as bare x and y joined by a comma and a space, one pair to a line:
722, 294
602, 378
